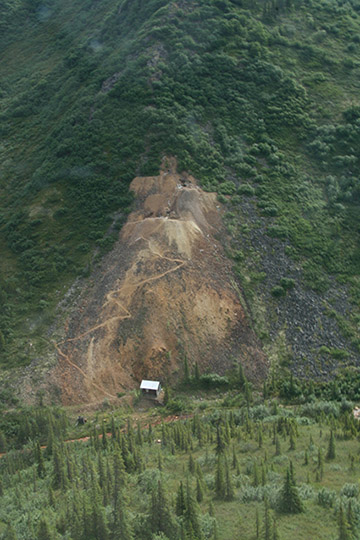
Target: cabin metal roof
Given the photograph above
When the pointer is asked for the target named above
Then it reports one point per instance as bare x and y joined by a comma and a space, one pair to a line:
149, 385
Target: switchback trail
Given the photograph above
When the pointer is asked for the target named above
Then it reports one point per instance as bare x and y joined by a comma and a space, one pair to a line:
127, 291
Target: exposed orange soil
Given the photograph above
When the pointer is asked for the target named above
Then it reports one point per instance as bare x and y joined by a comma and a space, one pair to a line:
163, 293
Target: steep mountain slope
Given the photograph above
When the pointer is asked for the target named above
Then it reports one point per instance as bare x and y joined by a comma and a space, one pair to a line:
257, 101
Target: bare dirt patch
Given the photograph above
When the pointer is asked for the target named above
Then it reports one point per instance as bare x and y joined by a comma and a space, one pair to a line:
163, 293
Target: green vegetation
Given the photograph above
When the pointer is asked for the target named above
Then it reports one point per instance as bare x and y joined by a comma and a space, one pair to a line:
219, 472
259, 100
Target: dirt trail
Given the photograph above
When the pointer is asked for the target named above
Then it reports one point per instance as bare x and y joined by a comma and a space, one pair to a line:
158, 421
163, 293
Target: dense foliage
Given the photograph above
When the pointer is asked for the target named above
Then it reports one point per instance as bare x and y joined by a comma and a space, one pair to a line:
255, 471
259, 100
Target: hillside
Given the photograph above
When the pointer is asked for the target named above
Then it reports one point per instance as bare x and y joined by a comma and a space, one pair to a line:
258, 103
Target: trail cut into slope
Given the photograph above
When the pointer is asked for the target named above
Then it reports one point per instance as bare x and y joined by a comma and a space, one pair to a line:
164, 293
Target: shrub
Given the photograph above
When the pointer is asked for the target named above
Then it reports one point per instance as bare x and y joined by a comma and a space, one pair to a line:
246, 189
326, 497
349, 490
287, 283
213, 380
278, 291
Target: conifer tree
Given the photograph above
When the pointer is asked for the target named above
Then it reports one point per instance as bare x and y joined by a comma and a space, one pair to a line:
149, 434
260, 437
320, 464
10, 533
257, 523
50, 442
191, 517
58, 475
343, 525
235, 461
290, 502
292, 440
139, 437
113, 429
263, 474
241, 377
160, 517
180, 501
267, 521
220, 440
277, 446
104, 440
3, 444
122, 528
39, 460
51, 498
44, 531
119, 476
351, 519
331, 448
166, 395
229, 487
256, 477
220, 479
275, 532
199, 490
191, 464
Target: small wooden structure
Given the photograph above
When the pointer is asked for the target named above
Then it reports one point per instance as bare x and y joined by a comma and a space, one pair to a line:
150, 389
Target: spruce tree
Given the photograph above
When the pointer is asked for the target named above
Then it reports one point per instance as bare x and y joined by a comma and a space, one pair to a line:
104, 440
292, 440
275, 532
290, 502
191, 464
277, 446
3, 444
229, 488
256, 476
235, 461
191, 514
220, 479
161, 517
39, 460
351, 519
267, 521
166, 395
180, 501
220, 440
58, 475
331, 448
10, 533
241, 377
343, 525
199, 491
320, 464
121, 523
44, 531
